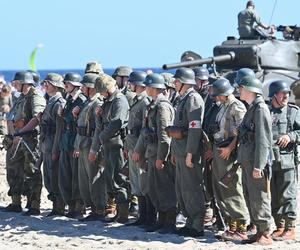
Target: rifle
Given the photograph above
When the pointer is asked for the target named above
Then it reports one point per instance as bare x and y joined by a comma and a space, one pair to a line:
226, 179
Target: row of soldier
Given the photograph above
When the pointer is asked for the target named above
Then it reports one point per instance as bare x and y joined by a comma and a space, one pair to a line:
188, 141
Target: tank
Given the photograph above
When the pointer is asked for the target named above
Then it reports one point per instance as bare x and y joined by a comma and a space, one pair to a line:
270, 58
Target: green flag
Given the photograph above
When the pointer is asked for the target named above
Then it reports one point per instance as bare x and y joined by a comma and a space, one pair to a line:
32, 57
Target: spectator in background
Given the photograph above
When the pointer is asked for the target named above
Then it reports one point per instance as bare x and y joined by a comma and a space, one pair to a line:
5, 106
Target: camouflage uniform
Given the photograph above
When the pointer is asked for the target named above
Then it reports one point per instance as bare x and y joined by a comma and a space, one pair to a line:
22, 175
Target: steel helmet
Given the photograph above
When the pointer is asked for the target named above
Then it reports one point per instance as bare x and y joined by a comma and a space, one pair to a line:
185, 76
278, 86
251, 84
222, 87
73, 78
137, 78
89, 80
93, 67
155, 80
201, 73
242, 73
122, 71
24, 77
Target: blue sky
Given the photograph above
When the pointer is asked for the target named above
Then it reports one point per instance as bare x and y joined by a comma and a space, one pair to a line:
134, 32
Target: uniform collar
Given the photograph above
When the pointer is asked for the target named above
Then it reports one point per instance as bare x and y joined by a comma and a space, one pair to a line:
189, 90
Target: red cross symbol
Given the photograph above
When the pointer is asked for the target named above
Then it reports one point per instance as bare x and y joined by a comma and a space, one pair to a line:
193, 124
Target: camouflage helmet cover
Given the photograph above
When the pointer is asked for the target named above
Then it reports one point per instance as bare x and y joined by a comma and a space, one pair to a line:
94, 67
169, 80
55, 79
104, 83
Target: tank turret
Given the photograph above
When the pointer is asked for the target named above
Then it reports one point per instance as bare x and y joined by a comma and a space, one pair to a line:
270, 58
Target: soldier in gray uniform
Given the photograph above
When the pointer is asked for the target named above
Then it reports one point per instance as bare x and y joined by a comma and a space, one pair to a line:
114, 118
121, 75
50, 138
137, 173
286, 136
22, 174
246, 20
68, 165
155, 142
186, 153
91, 181
255, 156
228, 191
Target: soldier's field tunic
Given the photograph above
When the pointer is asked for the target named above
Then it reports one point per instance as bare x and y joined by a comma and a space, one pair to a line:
189, 181
285, 121
91, 185
255, 138
231, 200
136, 171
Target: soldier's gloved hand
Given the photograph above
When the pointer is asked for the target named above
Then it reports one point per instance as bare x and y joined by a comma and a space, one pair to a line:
76, 154
188, 160
75, 111
136, 157
257, 173
283, 141
92, 156
159, 164
225, 152
173, 160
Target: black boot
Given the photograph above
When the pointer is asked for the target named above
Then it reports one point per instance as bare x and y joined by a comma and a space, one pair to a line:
169, 224
159, 224
151, 214
142, 212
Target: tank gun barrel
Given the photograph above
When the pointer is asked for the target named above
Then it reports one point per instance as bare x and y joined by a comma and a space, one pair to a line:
221, 58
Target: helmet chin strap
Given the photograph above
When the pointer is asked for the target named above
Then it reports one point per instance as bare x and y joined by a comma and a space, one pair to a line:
180, 87
280, 105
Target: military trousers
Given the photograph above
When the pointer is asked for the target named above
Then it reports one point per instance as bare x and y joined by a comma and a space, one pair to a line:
91, 180
116, 181
284, 196
161, 186
22, 175
259, 204
68, 178
137, 176
189, 192
231, 200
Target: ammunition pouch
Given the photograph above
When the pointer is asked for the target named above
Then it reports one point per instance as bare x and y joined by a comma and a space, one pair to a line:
84, 131
149, 134
7, 141
247, 137
19, 124
176, 132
